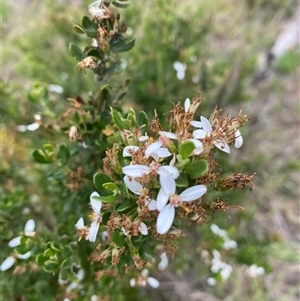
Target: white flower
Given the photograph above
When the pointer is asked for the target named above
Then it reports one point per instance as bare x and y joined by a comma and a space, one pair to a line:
180, 69
154, 150
28, 231
229, 244
83, 230
211, 281
133, 148
138, 170
167, 193
80, 224
255, 270
142, 229
164, 262
169, 135
198, 146
143, 279
218, 266
138, 189
9, 261
96, 217
206, 131
95, 10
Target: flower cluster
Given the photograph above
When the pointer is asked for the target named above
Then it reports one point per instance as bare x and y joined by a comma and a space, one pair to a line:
149, 182
15, 242
90, 233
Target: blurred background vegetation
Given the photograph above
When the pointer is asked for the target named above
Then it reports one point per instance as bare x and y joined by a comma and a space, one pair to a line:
221, 48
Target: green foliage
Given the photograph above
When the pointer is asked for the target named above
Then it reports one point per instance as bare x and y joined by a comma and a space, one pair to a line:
57, 194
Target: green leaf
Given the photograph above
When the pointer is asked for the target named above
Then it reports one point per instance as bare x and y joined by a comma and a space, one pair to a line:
115, 67
196, 169
119, 238
63, 275
142, 121
78, 29
89, 27
120, 5
48, 253
55, 246
121, 45
41, 157
182, 180
186, 148
67, 251
64, 153
76, 52
105, 217
41, 259
37, 93
49, 147
107, 199
126, 204
50, 266
92, 51
99, 180
67, 263
110, 186
118, 120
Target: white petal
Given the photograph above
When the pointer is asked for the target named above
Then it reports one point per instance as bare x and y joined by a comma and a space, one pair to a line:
211, 281
162, 199
223, 146
29, 226
193, 193
167, 183
143, 138
131, 282
206, 124
163, 153
96, 194
153, 282
133, 185
199, 146
33, 126
93, 232
15, 242
215, 229
196, 124
130, 147
172, 170
168, 134
152, 148
96, 206
80, 224
136, 170
199, 134
152, 205
145, 273
187, 104
24, 256
94, 9
143, 229
7, 263
155, 156
164, 262
165, 219
238, 139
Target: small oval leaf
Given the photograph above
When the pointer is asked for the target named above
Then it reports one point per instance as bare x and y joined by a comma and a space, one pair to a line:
196, 169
